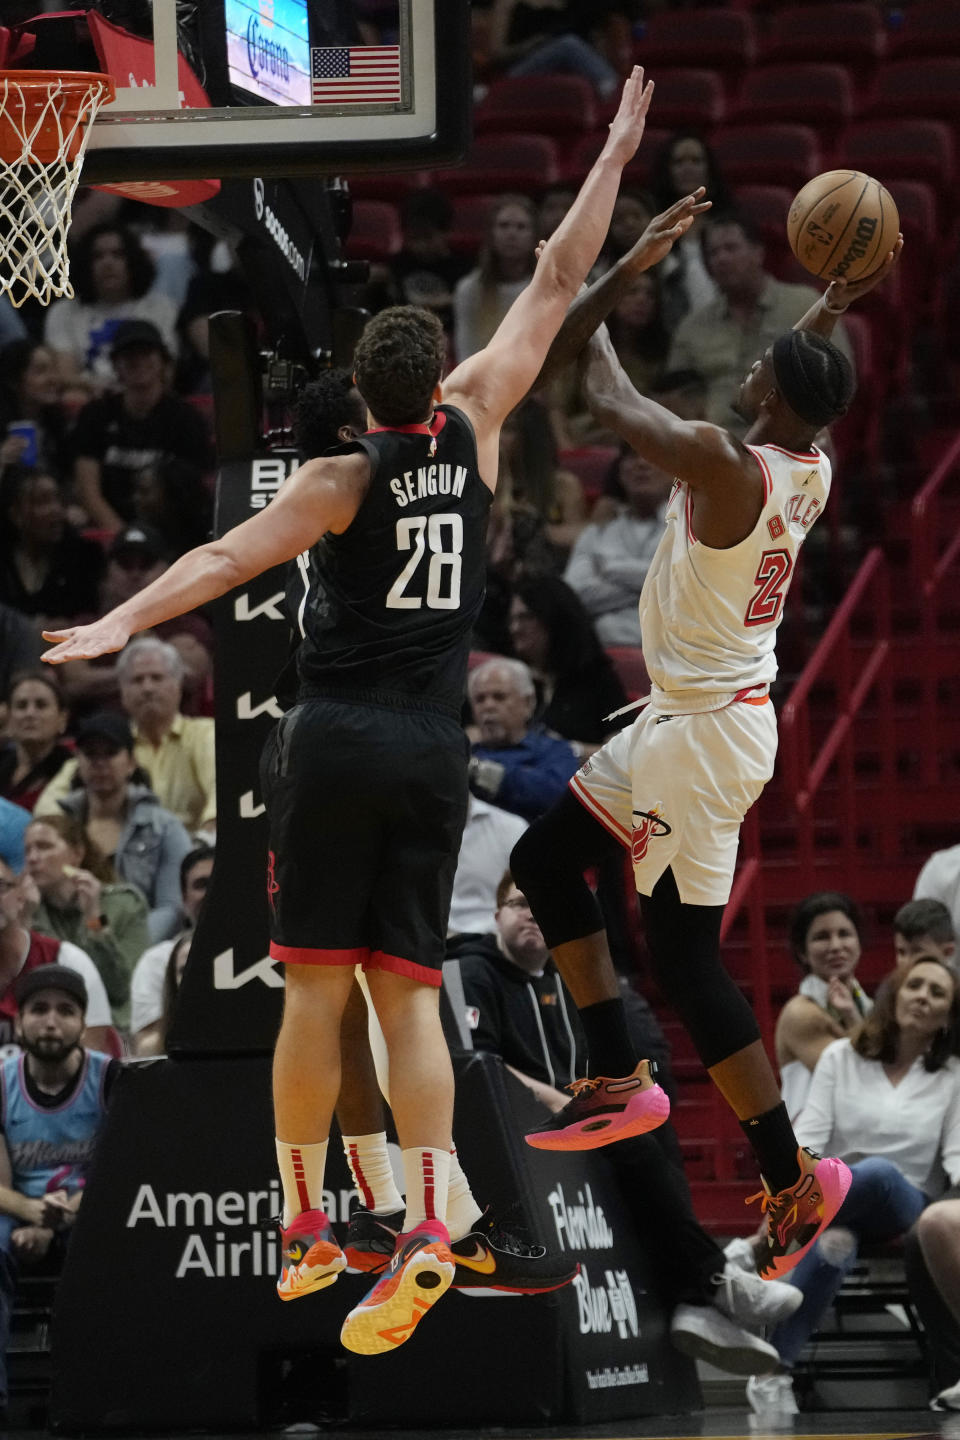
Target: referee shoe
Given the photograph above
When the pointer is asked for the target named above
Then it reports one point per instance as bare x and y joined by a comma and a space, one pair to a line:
604, 1110
311, 1256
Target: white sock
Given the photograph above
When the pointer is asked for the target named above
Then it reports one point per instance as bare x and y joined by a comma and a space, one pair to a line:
369, 1161
301, 1175
463, 1212
427, 1174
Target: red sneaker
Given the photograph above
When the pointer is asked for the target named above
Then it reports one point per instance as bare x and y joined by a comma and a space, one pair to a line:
420, 1272
796, 1216
605, 1110
311, 1256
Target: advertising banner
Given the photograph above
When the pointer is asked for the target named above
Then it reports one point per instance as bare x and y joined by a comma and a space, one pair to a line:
176, 1221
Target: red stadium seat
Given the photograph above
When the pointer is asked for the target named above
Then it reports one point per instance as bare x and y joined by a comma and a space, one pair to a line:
931, 27
374, 231
817, 95
920, 270
858, 432
590, 464
628, 662
539, 104
392, 185
851, 33
721, 38
637, 172
470, 216
768, 155
498, 162
689, 99
902, 149
767, 206
927, 88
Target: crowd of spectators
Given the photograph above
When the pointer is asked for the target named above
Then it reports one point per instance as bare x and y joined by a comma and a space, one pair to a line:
107, 793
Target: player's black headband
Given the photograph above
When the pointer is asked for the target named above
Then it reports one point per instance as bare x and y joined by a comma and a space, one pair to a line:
814, 390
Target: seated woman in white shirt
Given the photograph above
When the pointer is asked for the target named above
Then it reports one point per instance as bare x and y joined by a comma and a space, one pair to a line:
887, 1102
825, 936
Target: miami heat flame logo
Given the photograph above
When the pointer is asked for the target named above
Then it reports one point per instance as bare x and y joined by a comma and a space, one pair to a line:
647, 824
272, 883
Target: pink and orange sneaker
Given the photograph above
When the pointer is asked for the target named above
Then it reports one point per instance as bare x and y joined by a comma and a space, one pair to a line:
604, 1110
420, 1272
796, 1216
311, 1256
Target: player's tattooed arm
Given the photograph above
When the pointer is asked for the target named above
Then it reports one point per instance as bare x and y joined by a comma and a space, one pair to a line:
593, 305
822, 317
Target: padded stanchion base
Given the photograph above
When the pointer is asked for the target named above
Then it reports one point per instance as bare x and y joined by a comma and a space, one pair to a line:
167, 1315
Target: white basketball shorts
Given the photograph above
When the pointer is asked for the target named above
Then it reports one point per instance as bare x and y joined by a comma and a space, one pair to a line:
674, 790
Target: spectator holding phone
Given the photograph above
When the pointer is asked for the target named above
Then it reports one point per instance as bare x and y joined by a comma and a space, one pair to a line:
33, 426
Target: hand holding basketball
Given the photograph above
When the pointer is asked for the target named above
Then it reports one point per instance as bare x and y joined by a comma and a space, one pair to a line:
842, 225
841, 293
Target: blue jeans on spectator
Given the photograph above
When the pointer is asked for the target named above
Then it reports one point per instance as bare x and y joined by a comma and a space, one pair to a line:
880, 1205
570, 55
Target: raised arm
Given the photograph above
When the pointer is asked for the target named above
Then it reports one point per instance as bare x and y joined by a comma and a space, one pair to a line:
722, 473
322, 495
489, 384
592, 306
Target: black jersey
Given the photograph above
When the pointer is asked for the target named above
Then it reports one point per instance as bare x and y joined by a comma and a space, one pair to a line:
389, 606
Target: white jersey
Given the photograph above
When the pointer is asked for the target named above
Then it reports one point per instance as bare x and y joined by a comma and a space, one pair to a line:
709, 617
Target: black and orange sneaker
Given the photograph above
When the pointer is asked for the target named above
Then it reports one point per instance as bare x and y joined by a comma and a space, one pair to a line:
420, 1272
796, 1216
311, 1256
604, 1110
496, 1258
370, 1241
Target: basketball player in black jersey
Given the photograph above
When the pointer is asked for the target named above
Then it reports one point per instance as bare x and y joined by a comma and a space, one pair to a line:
365, 779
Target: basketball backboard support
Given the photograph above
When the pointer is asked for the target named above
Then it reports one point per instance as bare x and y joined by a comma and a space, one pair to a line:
242, 88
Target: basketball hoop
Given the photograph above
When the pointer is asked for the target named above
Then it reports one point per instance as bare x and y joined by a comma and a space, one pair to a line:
44, 120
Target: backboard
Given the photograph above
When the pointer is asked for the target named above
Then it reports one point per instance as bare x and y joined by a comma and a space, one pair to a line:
241, 88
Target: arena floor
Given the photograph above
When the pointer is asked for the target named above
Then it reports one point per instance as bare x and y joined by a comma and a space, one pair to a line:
713, 1424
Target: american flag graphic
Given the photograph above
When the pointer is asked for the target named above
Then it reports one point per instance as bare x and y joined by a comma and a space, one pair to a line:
355, 74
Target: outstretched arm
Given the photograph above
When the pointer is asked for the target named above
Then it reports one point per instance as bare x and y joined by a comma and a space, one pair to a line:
592, 306
489, 384
322, 495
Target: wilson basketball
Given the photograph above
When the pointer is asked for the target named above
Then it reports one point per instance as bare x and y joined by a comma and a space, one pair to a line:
842, 225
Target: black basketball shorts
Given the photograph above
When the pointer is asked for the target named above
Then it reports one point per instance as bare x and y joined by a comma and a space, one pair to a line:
366, 806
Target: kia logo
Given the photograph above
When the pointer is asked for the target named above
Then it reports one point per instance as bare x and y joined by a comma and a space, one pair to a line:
258, 198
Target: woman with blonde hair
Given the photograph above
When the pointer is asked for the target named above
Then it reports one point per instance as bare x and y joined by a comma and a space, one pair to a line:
506, 261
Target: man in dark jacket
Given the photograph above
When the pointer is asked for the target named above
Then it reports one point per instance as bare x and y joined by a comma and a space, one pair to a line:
517, 1005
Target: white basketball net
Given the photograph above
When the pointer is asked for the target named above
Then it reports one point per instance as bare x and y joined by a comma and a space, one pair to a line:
36, 198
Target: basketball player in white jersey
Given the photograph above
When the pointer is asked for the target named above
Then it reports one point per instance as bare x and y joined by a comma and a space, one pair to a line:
675, 785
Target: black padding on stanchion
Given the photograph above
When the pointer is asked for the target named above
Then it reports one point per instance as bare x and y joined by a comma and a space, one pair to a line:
162, 1321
